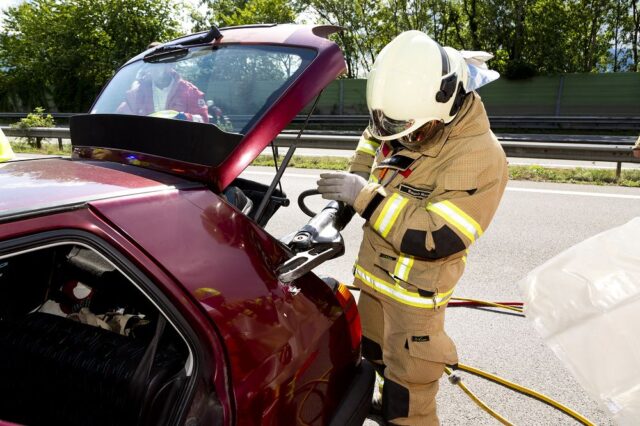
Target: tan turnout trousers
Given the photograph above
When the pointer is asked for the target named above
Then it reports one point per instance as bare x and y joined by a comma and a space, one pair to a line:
423, 209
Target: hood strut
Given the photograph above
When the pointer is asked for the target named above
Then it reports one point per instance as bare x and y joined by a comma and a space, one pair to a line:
283, 166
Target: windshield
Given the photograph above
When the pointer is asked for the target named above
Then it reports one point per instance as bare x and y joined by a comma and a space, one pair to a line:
230, 86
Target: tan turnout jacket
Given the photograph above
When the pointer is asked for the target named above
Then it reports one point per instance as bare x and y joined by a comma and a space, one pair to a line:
424, 209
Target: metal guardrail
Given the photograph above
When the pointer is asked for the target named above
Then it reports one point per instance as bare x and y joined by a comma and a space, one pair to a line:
497, 122
502, 122
37, 132
616, 149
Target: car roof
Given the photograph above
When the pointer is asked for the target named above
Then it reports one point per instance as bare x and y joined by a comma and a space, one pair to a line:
37, 186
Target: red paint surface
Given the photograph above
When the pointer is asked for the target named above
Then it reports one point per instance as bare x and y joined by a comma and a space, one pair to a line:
286, 344
38, 184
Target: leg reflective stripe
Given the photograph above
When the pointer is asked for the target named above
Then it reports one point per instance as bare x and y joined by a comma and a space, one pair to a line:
403, 267
367, 146
462, 221
389, 214
400, 294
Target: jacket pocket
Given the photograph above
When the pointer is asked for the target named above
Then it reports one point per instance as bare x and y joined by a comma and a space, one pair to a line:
411, 274
386, 260
436, 347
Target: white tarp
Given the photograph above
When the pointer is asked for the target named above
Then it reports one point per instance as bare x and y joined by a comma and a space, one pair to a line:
585, 302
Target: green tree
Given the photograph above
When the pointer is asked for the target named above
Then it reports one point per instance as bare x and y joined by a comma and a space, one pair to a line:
634, 33
226, 13
62, 53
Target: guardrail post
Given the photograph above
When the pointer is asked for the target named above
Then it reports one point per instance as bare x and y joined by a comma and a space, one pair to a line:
618, 170
60, 144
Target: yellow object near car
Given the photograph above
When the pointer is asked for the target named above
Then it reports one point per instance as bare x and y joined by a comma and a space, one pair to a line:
6, 153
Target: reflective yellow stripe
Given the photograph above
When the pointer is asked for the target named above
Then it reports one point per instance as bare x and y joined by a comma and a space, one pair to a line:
400, 294
373, 178
462, 221
367, 146
403, 267
389, 214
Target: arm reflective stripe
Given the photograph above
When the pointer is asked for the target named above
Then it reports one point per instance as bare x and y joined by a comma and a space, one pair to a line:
373, 178
462, 221
400, 294
403, 267
367, 146
389, 214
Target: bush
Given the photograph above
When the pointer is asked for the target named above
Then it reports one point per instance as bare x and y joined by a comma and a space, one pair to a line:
37, 118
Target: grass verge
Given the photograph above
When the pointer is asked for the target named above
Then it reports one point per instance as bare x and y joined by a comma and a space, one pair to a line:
22, 146
533, 173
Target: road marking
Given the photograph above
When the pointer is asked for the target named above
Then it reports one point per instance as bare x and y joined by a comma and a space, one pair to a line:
539, 191
586, 194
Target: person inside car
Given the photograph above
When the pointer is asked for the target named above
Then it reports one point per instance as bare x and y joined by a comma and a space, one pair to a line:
161, 92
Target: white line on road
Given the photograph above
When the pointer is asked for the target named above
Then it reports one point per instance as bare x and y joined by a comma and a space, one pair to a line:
540, 191
587, 194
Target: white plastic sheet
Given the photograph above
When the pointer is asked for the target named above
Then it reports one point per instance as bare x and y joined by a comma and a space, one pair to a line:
585, 303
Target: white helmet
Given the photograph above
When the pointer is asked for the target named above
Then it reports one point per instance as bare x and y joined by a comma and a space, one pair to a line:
414, 84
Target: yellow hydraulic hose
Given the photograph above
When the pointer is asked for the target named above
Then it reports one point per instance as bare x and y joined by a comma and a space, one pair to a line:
529, 392
478, 401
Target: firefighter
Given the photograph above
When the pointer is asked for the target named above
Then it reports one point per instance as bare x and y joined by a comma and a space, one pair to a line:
427, 177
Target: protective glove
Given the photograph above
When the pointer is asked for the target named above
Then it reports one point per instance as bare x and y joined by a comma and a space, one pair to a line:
341, 186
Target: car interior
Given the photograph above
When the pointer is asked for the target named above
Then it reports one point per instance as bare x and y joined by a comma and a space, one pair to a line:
247, 195
81, 344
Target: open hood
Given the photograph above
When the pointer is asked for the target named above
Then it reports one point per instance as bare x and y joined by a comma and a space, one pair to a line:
205, 106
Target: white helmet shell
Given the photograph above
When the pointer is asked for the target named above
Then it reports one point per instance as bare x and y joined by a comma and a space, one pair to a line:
413, 81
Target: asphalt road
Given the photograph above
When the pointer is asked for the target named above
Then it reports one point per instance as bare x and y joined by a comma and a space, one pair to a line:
534, 222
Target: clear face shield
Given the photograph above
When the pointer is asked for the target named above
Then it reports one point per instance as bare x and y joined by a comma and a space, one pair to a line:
385, 128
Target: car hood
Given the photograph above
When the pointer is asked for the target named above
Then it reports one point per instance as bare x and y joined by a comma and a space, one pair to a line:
201, 151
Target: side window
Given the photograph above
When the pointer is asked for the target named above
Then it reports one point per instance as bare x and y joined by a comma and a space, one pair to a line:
80, 343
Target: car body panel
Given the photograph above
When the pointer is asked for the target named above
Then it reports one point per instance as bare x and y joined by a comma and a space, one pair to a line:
284, 342
38, 185
213, 364
324, 68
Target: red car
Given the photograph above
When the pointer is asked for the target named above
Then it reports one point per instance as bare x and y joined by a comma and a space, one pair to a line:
137, 284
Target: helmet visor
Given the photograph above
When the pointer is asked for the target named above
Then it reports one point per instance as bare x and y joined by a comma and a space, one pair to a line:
423, 134
382, 126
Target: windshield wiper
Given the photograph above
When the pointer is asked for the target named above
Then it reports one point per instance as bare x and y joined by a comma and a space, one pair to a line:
167, 54
175, 52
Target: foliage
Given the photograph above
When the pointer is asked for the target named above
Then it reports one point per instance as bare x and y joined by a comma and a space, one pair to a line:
62, 52
577, 175
59, 54
226, 13
37, 118
527, 37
